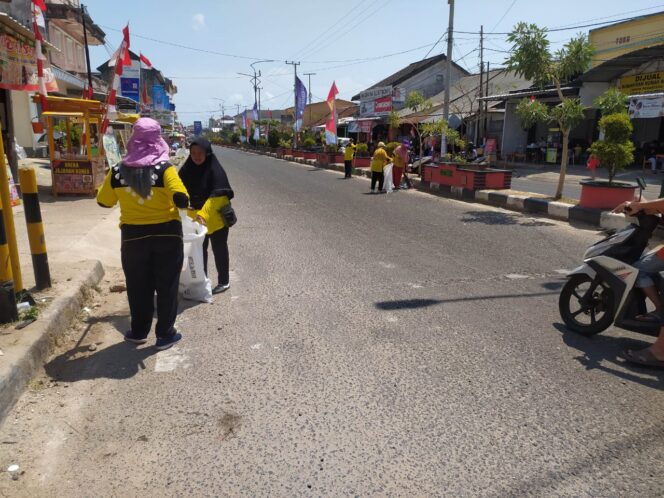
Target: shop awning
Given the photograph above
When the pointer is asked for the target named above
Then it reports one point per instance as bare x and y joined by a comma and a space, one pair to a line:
616, 67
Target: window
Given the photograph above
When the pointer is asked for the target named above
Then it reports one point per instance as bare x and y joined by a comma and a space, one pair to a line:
69, 51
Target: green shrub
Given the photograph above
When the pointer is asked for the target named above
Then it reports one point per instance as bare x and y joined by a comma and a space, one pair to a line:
285, 143
309, 142
389, 148
362, 149
616, 150
273, 138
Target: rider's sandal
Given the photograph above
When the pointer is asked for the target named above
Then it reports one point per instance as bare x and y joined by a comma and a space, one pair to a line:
643, 357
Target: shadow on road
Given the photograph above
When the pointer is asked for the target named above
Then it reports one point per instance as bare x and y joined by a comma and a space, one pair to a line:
601, 352
425, 303
497, 218
118, 361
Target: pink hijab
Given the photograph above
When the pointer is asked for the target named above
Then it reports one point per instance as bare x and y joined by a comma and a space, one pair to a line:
145, 146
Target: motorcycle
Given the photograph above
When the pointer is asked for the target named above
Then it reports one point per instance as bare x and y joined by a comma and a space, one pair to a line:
602, 291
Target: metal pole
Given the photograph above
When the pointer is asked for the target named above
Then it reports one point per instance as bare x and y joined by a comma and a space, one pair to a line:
87, 51
448, 76
310, 95
479, 102
486, 102
33, 219
294, 64
8, 215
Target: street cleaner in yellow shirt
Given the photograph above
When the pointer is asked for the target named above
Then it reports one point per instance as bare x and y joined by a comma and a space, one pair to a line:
150, 192
349, 154
378, 162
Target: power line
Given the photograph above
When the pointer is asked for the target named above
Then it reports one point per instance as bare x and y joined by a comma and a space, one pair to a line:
434, 45
503, 17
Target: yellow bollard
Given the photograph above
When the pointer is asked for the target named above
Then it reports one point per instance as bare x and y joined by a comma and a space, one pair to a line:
33, 219
8, 311
8, 217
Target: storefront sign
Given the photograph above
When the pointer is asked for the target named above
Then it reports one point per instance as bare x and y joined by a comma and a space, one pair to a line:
129, 87
383, 105
642, 83
18, 67
645, 107
361, 126
376, 93
72, 177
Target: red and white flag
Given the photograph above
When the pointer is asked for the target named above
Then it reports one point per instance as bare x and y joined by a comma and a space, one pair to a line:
146, 62
120, 60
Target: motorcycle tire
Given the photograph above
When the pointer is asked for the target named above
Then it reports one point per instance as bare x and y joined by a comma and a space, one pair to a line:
602, 300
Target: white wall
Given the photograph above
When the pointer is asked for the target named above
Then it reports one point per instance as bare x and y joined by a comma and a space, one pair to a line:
590, 91
23, 111
513, 135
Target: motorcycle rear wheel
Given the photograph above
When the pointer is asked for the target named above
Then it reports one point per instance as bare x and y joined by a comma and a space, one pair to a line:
586, 305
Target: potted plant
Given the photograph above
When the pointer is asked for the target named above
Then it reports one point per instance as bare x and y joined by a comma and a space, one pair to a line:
614, 151
362, 159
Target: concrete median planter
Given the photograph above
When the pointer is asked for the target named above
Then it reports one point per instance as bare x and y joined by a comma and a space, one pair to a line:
298, 153
361, 162
467, 176
322, 159
309, 155
601, 195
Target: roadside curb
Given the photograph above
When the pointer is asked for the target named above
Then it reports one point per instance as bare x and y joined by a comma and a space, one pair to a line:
34, 343
557, 210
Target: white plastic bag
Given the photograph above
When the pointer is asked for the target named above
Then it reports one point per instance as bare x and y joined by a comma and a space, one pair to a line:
389, 180
194, 284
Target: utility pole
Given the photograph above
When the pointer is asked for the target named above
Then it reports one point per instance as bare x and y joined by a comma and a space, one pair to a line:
486, 102
294, 64
478, 122
87, 50
310, 75
448, 76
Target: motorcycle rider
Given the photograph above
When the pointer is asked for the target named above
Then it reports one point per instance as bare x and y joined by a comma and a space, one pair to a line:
652, 356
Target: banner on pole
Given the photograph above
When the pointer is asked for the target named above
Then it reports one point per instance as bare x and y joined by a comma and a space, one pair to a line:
331, 124
300, 102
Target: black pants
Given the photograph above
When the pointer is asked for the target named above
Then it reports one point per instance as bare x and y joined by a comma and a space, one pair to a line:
377, 176
150, 265
348, 167
220, 251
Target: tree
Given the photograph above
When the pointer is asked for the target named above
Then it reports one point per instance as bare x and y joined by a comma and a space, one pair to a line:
416, 102
443, 129
531, 58
613, 101
616, 150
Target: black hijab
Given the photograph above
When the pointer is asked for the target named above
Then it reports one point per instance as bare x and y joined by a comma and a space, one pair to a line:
207, 180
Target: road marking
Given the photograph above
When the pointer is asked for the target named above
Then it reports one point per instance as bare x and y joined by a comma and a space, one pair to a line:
516, 276
170, 359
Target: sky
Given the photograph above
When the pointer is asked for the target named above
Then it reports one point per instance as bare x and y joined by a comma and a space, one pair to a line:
354, 43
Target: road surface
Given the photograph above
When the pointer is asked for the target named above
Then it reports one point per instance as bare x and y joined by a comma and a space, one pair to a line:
387, 345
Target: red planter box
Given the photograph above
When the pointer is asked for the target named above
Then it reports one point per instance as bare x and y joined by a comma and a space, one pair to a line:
338, 158
310, 155
298, 153
361, 162
322, 159
469, 177
599, 195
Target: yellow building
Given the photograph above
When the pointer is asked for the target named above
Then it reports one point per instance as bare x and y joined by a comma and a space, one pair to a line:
621, 38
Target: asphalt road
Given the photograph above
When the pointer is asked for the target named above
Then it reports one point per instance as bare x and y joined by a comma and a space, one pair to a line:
387, 345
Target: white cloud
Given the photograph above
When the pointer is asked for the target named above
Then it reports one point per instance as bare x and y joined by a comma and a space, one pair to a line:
198, 22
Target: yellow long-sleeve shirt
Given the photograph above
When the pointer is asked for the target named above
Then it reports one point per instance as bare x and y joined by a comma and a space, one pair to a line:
379, 160
349, 153
211, 213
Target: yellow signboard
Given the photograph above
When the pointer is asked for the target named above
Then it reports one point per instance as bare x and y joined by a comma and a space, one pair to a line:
642, 83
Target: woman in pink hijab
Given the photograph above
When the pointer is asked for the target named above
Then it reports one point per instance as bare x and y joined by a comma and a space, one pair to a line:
149, 192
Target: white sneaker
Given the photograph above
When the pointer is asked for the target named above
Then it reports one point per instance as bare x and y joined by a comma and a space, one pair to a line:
221, 288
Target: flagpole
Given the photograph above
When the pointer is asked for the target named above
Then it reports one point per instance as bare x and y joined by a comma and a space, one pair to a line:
87, 52
294, 64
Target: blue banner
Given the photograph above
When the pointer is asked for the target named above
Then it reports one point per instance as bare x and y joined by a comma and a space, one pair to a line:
159, 98
300, 102
129, 88
198, 128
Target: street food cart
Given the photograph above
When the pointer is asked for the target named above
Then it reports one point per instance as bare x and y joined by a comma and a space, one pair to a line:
78, 163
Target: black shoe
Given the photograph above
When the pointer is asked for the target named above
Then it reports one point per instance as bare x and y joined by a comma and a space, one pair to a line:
129, 337
166, 342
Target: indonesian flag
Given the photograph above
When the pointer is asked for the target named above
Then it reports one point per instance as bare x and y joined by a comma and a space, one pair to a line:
146, 62
41, 4
119, 60
331, 124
